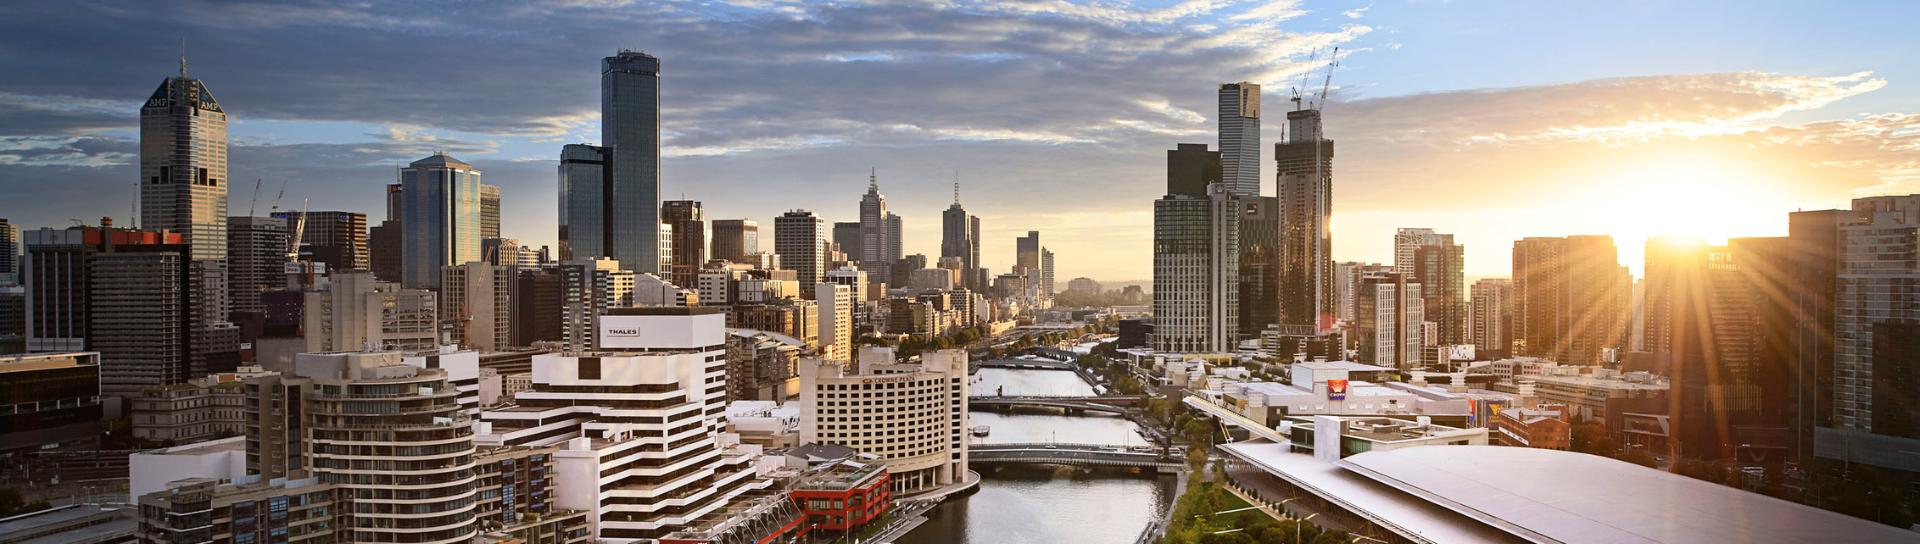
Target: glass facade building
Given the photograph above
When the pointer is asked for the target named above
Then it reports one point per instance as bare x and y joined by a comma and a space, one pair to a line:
630, 128
442, 218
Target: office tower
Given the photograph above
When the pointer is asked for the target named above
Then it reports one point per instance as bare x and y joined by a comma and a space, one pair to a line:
538, 295
879, 230
156, 316
338, 239
379, 430
846, 237
689, 240
1572, 299
9, 253
589, 288
489, 211
256, 259
1191, 168
1046, 272
1195, 268
183, 165
1874, 333
1388, 315
476, 303
358, 312
1346, 281
385, 252
1027, 254
923, 449
800, 237
960, 239
836, 303
1259, 264
640, 415
735, 239
650, 290
396, 201
1813, 242
1439, 266
1305, 169
630, 130
857, 280
1491, 316
586, 203
1239, 124
442, 218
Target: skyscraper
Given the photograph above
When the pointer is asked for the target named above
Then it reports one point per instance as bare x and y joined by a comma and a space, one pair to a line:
1239, 124
256, 259
1439, 266
1195, 268
1572, 299
1046, 271
183, 164
9, 253
735, 239
1305, 169
689, 240
1259, 264
442, 218
1027, 253
1876, 308
489, 211
1191, 168
1491, 329
960, 239
1813, 242
1389, 316
586, 187
800, 237
879, 230
630, 129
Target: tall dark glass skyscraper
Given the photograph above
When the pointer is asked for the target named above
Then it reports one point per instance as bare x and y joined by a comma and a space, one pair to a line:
630, 127
960, 239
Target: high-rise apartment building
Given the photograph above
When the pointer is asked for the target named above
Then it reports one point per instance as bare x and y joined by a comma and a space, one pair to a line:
1875, 308
256, 259
489, 211
357, 312
589, 288
1239, 125
1305, 170
735, 239
1388, 315
476, 303
800, 237
336, 238
442, 218
923, 442
1491, 316
1259, 264
1346, 281
689, 240
630, 130
638, 418
836, 302
183, 165
1195, 272
1439, 266
1046, 272
1572, 299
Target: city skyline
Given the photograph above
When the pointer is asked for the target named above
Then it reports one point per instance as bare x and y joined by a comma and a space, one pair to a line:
1805, 130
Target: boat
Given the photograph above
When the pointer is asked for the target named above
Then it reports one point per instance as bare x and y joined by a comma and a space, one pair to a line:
980, 430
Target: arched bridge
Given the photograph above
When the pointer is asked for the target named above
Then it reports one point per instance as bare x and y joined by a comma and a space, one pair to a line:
1075, 455
1112, 404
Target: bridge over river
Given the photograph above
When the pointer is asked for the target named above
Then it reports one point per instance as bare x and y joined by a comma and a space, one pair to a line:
1077, 455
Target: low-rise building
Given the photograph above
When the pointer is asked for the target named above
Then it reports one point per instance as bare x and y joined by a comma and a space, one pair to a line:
843, 496
50, 401
1336, 437
1543, 426
212, 406
74, 524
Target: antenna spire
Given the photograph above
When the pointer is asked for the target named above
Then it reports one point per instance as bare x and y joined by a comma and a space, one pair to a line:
956, 186
873, 179
183, 58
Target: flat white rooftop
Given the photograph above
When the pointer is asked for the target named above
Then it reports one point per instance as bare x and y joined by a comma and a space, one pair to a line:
1410, 516
1556, 496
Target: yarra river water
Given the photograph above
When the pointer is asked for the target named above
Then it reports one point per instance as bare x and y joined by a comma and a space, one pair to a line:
1043, 504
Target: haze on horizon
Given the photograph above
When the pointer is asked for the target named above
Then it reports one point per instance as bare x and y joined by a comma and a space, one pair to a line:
1491, 121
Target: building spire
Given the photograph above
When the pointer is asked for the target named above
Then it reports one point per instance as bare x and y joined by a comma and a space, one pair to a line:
873, 179
956, 186
183, 58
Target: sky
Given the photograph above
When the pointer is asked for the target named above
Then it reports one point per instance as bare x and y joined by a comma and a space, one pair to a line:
1492, 120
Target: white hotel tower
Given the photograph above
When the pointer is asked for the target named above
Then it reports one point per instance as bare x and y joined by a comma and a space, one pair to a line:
639, 423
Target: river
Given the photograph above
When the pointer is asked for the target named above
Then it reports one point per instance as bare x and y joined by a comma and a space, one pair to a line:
1043, 504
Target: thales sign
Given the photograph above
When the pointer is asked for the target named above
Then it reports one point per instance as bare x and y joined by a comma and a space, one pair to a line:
662, 331
623, 332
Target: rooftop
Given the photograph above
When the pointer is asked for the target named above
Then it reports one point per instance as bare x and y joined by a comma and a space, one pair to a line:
1555, 496
1417, 519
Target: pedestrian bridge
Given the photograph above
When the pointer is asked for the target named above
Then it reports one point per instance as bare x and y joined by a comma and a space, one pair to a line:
1076, 455
1027, 364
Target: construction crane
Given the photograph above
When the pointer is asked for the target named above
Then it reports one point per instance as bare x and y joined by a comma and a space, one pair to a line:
276, 198
1304, 74
1332, 62
256, 197
299, 231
